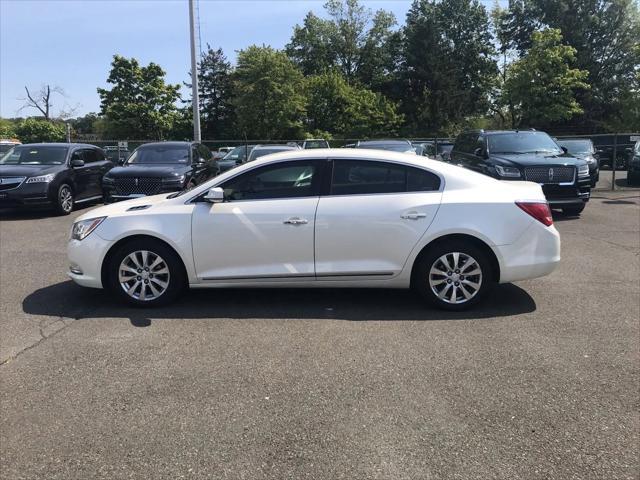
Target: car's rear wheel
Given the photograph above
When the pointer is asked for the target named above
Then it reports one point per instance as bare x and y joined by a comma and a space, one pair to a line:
573, 211
146, 273
64, 200
454, 275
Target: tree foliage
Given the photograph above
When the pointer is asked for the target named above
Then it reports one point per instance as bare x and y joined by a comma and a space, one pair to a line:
449, 64
32, 130
541, 86
140, 104
269, 94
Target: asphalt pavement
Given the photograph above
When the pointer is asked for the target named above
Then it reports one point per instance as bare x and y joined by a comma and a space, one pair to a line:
541, 381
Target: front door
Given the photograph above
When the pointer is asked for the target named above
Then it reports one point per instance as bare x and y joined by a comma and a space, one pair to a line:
375, 214
264, 229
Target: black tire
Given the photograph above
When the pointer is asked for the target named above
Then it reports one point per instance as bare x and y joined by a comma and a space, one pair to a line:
421, 281
633, 180
573, 211
64, 200
176, 278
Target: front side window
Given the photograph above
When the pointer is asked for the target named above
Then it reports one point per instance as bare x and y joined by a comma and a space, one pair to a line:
90, 156
356, 177
282, 180
35, 155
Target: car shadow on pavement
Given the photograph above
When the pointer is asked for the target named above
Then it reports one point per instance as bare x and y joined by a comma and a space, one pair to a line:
66, 299
32, 214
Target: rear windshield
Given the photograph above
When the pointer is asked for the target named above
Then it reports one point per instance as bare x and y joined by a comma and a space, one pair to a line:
160, 154
34, 155
522, 142
315, 144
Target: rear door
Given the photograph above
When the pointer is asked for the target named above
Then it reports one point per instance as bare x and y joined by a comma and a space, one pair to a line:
95, 168
373, 216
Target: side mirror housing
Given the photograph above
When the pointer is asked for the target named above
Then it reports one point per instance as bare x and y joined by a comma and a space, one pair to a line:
76, 162
564, 149
479, 152
214, 195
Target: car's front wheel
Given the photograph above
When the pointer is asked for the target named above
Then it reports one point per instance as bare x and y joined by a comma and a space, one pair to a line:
573, 211
146, 273
64, 200
454, 275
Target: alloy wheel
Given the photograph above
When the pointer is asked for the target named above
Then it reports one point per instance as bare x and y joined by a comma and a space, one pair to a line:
66, 199
143, 275
455, 277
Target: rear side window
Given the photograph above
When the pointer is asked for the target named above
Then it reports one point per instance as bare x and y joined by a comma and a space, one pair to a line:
355, 177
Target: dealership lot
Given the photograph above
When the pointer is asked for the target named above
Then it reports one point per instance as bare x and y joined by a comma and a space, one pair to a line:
539, 382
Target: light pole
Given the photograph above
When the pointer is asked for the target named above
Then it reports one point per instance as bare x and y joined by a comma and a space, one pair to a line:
195, 98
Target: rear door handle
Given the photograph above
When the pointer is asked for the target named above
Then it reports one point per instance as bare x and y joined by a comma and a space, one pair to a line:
296, 221
413, 216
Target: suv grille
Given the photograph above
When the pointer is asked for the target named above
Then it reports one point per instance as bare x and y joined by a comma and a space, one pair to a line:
550, 175
7, 183
141, 186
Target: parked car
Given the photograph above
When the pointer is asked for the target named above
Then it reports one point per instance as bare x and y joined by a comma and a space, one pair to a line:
160, 167
527, 155
262, 150
116, 155
351, 218
57, 175
7, 144
633, 172
583, 148
225, 150
235, 157
403, 146
315, 143
440, 150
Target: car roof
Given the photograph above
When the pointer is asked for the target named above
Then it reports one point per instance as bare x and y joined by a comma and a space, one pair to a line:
384, 142
59, 144
277, 145
177, 144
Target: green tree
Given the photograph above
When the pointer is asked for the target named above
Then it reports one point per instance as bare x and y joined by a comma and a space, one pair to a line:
7, 128
32, 130
340, 109
542, 85
269, 94
140, 104
311, 46
604, 34
449, 65
215, 91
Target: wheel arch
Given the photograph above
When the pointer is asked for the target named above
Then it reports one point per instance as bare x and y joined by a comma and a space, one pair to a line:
114, 248
465, 237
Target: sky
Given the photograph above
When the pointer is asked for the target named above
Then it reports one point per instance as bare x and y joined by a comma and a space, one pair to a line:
70, 43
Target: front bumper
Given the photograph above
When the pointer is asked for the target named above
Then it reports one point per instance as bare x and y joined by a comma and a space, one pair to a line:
112, 195
27, 195
86, 258
576, 193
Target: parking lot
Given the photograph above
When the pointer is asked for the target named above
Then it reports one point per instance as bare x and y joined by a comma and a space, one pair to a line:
541, 381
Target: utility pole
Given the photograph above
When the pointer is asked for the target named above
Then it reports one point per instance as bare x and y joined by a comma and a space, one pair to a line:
195, 97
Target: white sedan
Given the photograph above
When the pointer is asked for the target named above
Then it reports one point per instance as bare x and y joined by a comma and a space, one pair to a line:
322, 218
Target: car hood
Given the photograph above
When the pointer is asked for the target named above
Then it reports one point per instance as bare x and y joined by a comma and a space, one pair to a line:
155, 171
531, 159
125, 207
28, 170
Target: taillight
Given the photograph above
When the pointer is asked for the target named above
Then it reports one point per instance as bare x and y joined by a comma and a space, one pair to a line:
538, 210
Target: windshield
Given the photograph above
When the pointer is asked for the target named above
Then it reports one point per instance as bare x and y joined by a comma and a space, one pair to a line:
4, 148
577, 146
35, 155
315, 144
238, 153
160, 154
267, 151
637, 148
393, 147
522, 142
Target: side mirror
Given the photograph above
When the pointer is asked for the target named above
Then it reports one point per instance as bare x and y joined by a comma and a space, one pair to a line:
564, 149
214, 195
76, 162
479, 152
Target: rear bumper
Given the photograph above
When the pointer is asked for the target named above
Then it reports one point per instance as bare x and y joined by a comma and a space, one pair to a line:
535, 254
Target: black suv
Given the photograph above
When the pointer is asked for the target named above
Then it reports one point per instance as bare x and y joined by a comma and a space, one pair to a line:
161, 167
527, 155
52, 174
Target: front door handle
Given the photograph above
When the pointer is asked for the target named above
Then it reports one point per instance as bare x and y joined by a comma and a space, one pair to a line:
413, 216
296, 221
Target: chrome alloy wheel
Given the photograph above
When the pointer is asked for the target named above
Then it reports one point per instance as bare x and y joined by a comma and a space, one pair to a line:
66, 199
143, 275
455, 277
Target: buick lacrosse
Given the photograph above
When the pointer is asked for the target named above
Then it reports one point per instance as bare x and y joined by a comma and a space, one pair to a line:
322, 218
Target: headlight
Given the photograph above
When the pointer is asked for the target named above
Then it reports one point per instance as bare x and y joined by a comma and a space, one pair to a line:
108, 180
511, 172
41, 178
590, 160
583, 171
83, 228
